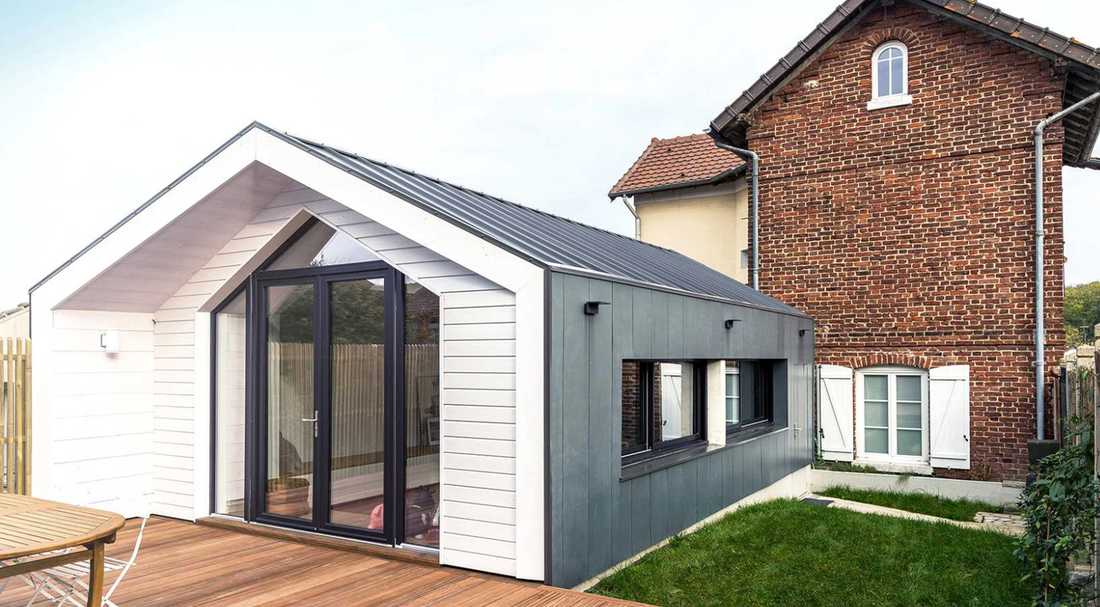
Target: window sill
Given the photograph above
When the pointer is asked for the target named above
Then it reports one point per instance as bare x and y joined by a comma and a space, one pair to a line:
694, 451
922, 468
892, 101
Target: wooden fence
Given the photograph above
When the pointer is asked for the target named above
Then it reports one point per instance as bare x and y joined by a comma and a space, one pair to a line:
358, 429
15, 415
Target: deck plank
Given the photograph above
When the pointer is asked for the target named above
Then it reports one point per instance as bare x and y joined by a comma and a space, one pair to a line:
185, 564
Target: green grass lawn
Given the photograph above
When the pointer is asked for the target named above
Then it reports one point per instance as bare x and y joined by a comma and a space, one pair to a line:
959, 510
793, 553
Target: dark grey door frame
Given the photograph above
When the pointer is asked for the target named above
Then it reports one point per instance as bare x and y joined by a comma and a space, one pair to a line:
321, 279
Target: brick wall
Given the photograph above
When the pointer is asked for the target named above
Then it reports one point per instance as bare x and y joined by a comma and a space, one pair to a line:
907, 232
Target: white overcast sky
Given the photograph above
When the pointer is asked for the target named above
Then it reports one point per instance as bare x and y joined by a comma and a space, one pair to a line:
104, 103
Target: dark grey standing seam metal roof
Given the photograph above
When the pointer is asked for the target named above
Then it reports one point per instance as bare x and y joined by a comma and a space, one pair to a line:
1082, 60
544, 239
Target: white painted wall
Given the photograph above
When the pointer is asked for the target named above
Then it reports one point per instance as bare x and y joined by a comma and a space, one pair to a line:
16, 324
101, 423
479, 430
489, 395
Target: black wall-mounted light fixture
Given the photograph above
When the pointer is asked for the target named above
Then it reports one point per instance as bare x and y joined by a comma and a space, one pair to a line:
729, 322
802, 332
592, 308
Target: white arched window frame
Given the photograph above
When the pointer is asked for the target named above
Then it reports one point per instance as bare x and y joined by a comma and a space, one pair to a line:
887, 429
889, 76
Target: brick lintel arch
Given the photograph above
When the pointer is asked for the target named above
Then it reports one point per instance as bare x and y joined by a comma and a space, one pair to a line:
878, 37
890, 359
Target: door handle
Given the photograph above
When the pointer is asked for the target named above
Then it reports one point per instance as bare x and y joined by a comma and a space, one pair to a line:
312, 420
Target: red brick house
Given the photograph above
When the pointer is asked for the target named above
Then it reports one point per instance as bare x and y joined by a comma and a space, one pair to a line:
896, 206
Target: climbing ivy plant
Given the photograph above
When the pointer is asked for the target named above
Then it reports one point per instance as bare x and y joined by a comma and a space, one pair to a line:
1060, 509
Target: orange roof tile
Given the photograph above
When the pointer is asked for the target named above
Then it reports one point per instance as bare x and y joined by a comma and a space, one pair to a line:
679, 161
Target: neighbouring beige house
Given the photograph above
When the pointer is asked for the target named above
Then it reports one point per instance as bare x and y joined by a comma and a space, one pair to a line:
15, 322
691, 196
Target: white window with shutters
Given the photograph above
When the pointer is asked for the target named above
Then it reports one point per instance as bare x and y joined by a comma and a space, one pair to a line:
892, 415
834, 413
949, 416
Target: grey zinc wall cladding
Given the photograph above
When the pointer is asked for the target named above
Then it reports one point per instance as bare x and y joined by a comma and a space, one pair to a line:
597, 521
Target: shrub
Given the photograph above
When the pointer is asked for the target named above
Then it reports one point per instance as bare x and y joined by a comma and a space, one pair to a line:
1059, 509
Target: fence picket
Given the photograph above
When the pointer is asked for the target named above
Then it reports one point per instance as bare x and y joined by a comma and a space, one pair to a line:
15, 415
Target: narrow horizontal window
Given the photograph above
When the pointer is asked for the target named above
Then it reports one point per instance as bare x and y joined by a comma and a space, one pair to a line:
662, 406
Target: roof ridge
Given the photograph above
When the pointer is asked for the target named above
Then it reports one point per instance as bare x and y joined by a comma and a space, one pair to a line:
464, 188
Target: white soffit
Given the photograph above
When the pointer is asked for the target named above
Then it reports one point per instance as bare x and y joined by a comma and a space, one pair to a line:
152, 272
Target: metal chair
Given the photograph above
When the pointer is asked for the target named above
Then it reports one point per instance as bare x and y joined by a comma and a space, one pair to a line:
67, 583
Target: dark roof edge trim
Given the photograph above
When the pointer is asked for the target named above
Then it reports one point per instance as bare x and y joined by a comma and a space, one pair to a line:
294, 141
790, 64
728, 174
143, 206
850, 12
1091, 163
583, 273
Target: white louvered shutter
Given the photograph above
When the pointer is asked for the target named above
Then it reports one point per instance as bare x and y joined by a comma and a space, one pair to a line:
949, 416
835, 412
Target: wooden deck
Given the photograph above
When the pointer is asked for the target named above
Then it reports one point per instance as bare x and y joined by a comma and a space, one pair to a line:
185, 564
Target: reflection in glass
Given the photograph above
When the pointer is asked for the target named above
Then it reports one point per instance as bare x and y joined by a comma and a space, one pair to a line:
321, 245
290, 406
358, 372
229, 403
676, 405
876, 414
421, 416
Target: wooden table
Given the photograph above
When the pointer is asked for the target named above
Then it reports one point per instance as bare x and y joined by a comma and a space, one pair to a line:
30, 526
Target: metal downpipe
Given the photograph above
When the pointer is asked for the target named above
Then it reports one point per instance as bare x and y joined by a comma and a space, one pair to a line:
754, 160
1040, 241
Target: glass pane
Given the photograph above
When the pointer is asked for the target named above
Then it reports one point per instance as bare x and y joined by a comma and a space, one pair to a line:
421, 416
909, 442
229, 403
883, 68
876, 440
358, 372
733, 397
676, 403
290, 406
909, 388
633, 405
896, 79
874, 387
875, 414
909, 415
321, 245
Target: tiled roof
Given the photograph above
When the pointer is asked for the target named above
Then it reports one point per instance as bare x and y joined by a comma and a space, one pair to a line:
677, 162
1083, 62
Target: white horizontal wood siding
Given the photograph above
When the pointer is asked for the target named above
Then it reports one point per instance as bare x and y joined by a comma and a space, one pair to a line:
478, 383
479, 430
101, 423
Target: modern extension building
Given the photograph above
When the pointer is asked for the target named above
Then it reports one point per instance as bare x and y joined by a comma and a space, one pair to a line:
293, 335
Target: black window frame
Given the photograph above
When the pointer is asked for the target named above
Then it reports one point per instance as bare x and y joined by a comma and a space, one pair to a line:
761, 370
654, 447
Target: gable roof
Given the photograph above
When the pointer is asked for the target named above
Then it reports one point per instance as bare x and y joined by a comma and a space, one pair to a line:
1082, 61
678, 162
546, 240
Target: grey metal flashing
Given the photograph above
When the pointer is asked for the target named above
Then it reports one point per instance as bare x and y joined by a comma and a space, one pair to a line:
143, 206
733, 173
581, 272
1080, 58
